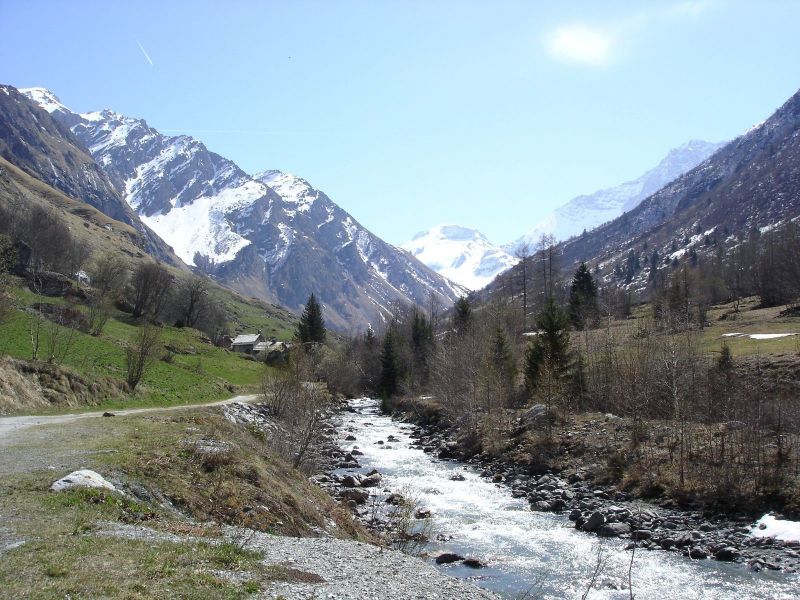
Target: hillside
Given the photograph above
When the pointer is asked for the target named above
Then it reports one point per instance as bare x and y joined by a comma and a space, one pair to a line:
92, 370
752, 183
585, 212
271, 235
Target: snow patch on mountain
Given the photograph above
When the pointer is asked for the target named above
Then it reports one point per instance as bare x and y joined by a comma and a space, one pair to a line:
461, 254
291, 188
44, 98
202, 226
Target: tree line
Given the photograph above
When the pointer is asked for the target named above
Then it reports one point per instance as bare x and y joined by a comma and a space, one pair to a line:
566, 346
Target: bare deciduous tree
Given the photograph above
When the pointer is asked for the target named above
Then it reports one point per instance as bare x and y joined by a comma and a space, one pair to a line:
151, 284
141, 353
299, 406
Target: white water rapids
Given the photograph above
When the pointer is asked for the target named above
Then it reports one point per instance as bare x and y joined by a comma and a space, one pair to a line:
526, 550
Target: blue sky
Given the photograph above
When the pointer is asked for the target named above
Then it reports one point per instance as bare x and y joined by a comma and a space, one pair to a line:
409, 114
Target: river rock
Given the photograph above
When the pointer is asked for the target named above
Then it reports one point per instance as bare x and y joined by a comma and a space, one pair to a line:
446, 558
457, 477
595, 520
83, 478
698, 552
641, 534
395, 499
349, 481
422, 513
473, 563
727, 554
371, 481
357, 496
613, 529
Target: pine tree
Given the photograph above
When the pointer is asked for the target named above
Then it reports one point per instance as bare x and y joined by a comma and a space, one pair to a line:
582, 297
369, 337
421, 346
390, 371
549, 351
311, 327
462, 315
500, 356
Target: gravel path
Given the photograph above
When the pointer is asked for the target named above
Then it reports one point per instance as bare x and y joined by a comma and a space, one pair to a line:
10, 425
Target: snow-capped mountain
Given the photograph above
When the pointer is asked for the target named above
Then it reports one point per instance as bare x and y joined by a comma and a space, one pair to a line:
584, 213
461, 254
271, 235
45, 148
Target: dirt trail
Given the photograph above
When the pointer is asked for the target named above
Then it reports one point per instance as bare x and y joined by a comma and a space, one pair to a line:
13, 425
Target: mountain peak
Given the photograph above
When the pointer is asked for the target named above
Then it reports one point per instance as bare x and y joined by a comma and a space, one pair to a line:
291, 188
44, 98
461, 254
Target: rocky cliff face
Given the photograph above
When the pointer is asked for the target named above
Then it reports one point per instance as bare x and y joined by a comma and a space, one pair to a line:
271, 235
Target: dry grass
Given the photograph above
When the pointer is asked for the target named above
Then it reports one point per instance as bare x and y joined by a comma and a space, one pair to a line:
63, 555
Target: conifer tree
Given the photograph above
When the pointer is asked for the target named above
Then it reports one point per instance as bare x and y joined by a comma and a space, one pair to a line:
549, 351
390, 371
462, 315
311, 327
421, 346
582, 297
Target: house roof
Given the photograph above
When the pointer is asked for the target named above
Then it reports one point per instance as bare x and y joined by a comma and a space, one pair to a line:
260, 346
246, 339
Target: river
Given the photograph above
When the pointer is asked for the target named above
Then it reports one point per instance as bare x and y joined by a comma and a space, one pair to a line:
526, 551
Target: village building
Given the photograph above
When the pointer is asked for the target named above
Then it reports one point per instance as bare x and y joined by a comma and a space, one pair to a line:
246, 342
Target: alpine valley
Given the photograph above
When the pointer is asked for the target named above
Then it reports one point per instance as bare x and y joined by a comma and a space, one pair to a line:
466, 256
270, 235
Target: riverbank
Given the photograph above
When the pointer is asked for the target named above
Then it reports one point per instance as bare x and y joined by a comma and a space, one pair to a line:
600, 508
201, 507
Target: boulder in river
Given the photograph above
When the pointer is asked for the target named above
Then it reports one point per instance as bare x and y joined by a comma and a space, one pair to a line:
395, 499
613, 529
473, 563
349, 481
595, 520
727, 554
371, 481
446, 558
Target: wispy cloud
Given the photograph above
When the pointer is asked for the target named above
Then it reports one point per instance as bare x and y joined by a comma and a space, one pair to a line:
581, 44
146, 55
597, 45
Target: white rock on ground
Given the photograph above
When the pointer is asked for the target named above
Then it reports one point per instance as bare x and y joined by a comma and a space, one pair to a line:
83, 478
